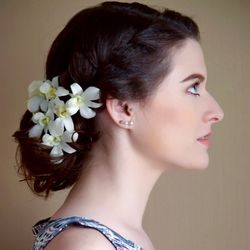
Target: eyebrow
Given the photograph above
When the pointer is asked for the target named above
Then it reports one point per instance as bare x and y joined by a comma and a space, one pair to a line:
194, 76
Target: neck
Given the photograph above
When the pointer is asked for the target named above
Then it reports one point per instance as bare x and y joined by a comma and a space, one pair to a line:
114, 188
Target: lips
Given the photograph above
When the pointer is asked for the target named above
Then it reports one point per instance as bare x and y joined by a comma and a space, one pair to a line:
205, 137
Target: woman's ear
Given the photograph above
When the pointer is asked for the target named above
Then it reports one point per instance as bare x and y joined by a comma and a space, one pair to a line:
121, 112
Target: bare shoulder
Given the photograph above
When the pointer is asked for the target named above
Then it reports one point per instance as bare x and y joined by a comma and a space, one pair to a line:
76, 238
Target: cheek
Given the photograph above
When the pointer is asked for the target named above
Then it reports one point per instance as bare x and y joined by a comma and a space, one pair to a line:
168, 130
176, 121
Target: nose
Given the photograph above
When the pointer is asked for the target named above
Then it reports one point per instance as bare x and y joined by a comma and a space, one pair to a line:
214, 112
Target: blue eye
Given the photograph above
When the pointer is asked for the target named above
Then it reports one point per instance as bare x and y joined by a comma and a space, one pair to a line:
195, 88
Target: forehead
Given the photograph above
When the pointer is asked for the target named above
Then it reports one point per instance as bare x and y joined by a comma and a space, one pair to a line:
188, 59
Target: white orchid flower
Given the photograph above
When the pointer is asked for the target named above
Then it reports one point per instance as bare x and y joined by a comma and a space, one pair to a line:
36, 97
64, 115
45, 96
82, 100
51, 90
42, 123
40, 92
58, 139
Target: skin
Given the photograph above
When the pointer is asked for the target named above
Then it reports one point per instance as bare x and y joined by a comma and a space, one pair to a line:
126, 162
173, 120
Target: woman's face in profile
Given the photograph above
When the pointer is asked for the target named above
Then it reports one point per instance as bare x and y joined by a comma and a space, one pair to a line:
180, 112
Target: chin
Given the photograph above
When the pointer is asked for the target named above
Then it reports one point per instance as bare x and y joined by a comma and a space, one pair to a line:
186, 163
195, 164
201, 165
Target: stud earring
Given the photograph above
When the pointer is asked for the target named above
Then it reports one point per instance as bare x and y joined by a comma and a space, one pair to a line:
127, 123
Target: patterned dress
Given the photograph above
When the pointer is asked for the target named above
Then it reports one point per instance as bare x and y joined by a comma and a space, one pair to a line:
46, 230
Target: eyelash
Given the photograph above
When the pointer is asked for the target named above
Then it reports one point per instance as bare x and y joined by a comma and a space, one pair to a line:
195, 85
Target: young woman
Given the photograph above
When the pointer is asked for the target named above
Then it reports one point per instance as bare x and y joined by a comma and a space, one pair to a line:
124, 100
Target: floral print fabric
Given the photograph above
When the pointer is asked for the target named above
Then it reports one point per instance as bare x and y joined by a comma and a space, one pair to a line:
47, 229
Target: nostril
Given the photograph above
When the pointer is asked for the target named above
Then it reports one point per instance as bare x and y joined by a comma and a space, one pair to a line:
218, 117
215, 119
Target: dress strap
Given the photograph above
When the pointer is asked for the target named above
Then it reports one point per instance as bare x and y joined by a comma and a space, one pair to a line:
47, 229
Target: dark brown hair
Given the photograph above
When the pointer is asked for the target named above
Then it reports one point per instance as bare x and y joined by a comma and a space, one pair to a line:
125, 50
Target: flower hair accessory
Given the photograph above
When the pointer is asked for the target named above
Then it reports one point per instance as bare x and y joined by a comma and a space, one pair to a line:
52, 116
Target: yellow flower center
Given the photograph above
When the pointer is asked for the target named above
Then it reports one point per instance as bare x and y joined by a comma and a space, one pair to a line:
45, 121
51, 93
61, 111
79, 100
56, 140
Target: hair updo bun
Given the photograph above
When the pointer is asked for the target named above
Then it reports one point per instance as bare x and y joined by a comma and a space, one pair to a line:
125, 50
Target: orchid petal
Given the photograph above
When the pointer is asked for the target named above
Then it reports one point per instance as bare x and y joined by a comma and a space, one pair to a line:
33, 88
67, 136
34, 103
44, 88
67, 148
50, 114
47, 140
76, 89
72, 110
75, 137
72, 102
56, 127
56, 151
55, 161
51, 103
92, 93
58, 102
68, 123
37, 116
72, 106
36, 131
86, 112
54, 82
93, 104
44, 105
62, 91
